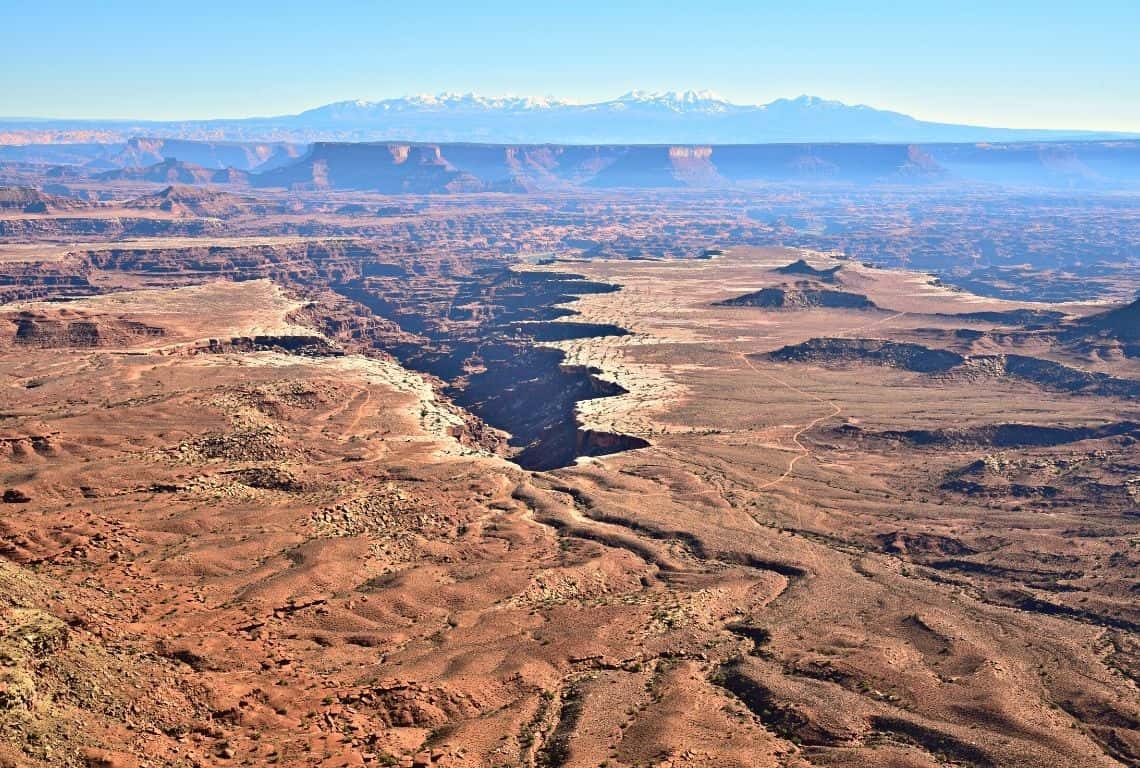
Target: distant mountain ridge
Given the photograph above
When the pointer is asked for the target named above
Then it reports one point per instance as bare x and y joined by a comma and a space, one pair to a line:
637, 117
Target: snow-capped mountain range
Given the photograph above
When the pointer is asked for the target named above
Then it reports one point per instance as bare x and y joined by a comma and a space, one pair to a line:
637, 117
642, 117
680, 102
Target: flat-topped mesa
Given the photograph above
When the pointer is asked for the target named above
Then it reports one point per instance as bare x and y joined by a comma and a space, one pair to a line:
30, 200
173, 171
287, 262
25, 199
197, 201
442, 168
402, 167
1052, 164
215, 155
63, 329
389, 168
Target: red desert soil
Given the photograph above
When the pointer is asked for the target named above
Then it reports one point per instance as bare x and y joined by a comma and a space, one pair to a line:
239, 532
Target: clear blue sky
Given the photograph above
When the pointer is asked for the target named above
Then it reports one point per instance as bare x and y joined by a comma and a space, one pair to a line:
1002, 62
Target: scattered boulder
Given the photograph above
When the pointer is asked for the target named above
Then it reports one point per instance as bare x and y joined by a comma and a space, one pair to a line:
26, 636
102, 758
28, 632
17, 689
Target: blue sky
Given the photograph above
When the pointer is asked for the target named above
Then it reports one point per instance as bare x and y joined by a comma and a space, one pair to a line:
1012, 63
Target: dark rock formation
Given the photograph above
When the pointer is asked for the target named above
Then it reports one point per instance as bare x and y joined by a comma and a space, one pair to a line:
802, 268
920, 359
911, 357
800, 298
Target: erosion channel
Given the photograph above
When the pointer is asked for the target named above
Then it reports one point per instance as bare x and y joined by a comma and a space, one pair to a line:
482, 336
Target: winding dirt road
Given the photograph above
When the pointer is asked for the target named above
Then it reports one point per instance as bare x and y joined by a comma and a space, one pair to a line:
800, 447
836, 409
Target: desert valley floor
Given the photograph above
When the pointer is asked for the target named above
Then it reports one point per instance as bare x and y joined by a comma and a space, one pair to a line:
307, 498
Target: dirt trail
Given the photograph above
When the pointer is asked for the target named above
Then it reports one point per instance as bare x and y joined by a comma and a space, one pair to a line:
800, 447
836, 409
858, 329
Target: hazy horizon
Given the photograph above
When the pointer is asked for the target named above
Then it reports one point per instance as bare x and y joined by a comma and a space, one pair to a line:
550, 97
1024, 65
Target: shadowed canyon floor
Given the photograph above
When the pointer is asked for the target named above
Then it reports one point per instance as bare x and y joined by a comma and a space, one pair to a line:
342, 501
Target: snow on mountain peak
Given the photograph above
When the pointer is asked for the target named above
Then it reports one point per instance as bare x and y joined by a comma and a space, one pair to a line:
478, 101
676, 100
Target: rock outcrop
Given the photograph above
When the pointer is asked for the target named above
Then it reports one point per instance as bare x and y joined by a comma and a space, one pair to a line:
800, 298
